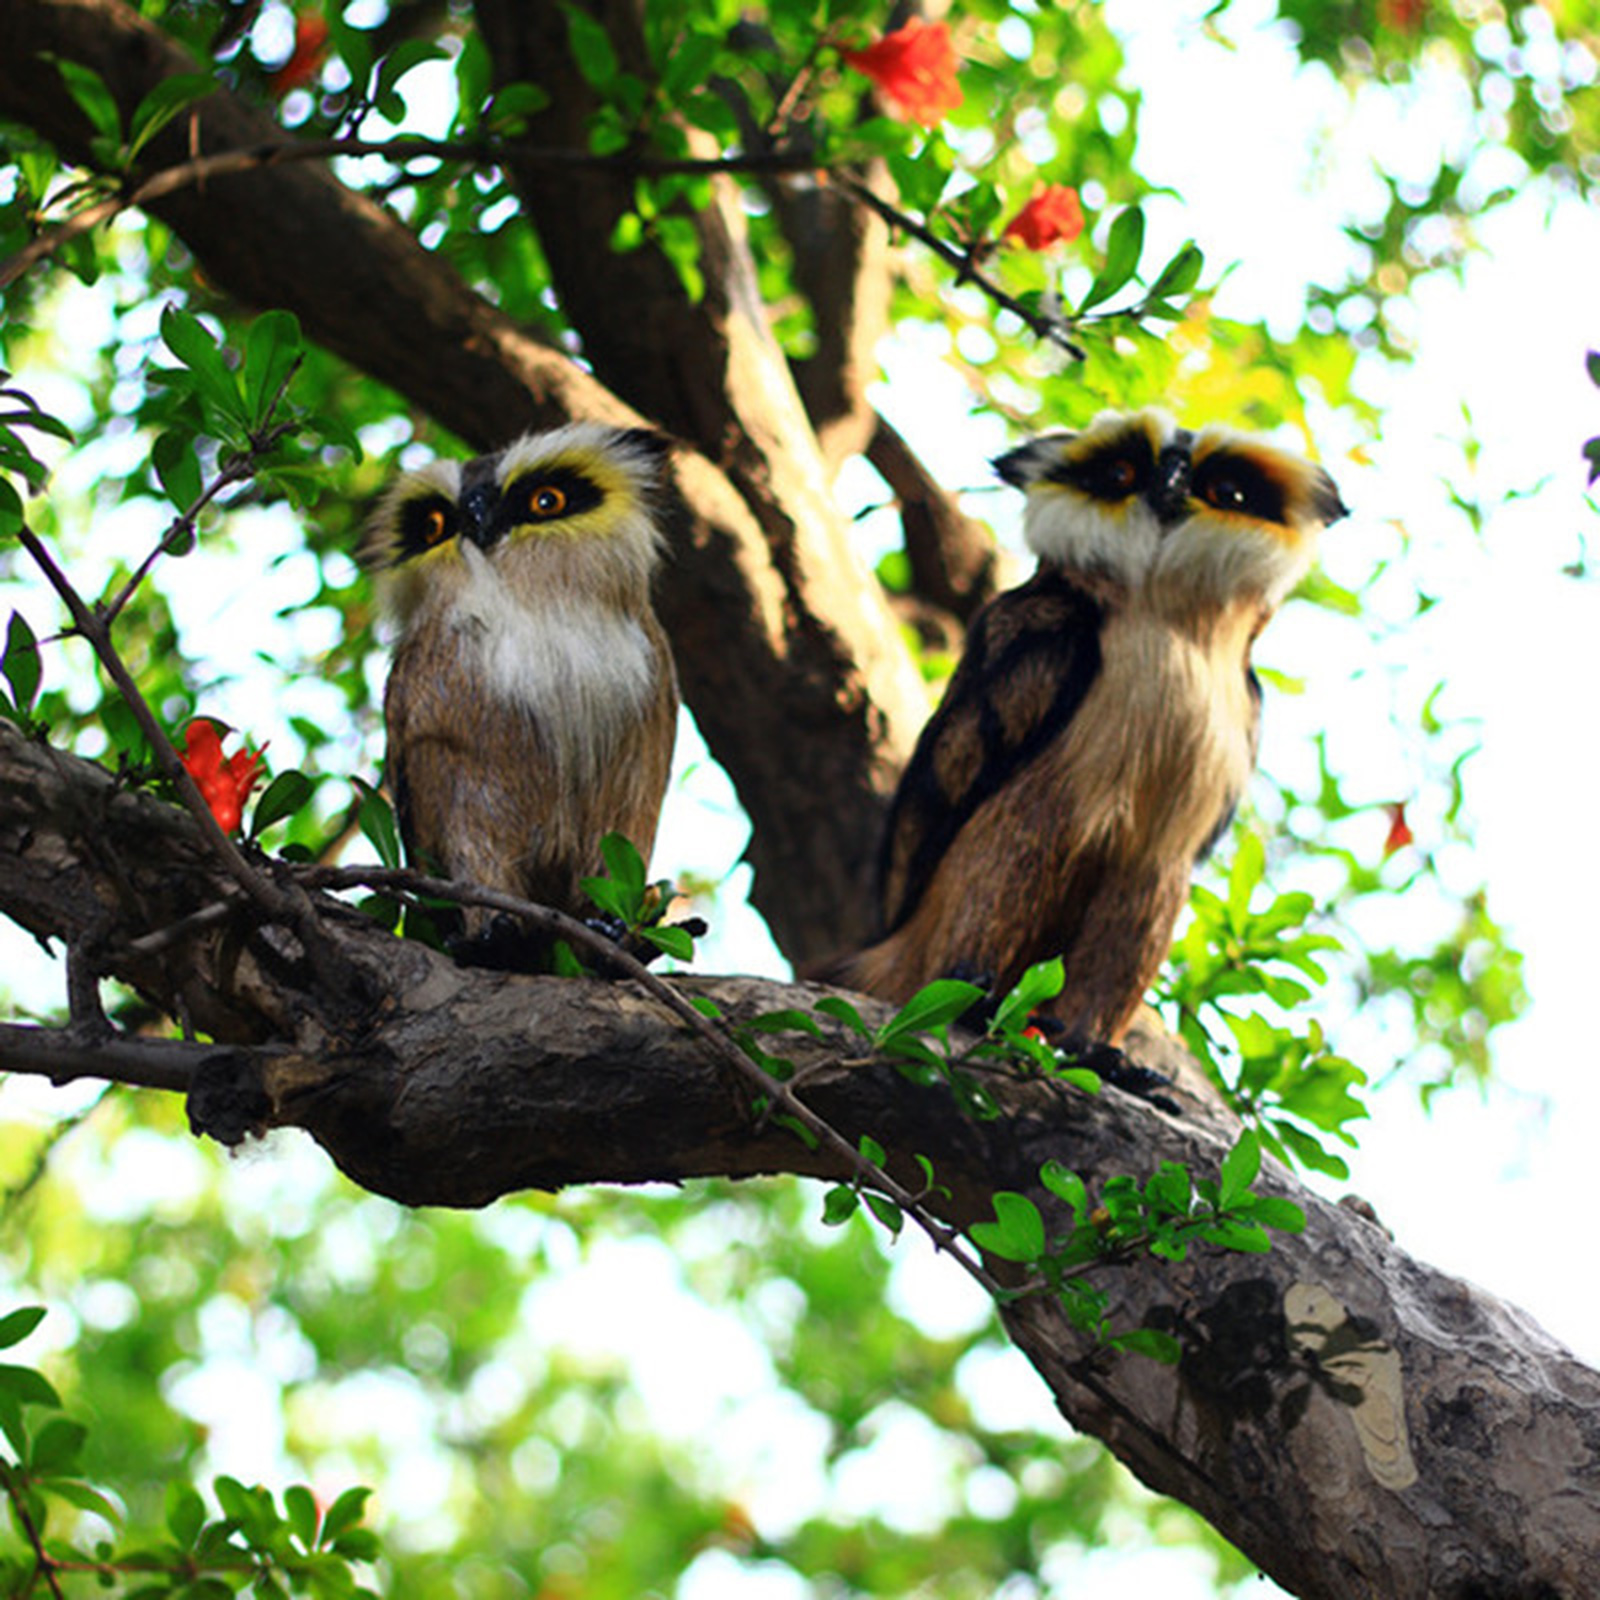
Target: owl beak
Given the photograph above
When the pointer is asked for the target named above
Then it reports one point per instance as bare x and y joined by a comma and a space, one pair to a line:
477, 512
1168, 494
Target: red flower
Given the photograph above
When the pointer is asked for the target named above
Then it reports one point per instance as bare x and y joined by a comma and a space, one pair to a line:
1404, 16
915, 67
305, 61
1400, 834
224, 784
1054, 213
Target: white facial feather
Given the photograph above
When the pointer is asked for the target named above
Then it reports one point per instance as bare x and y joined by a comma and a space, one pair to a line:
1210, 555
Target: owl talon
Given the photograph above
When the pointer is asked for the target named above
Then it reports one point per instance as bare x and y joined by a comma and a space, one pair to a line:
504, 946
1113, 1066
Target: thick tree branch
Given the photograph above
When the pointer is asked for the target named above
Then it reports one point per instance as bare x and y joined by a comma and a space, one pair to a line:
1432, 1443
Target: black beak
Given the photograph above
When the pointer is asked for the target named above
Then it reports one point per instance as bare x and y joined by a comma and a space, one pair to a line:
477, 514
1168, 494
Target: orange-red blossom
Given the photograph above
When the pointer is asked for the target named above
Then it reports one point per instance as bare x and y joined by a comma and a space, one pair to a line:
1053, 214
915, 67
224, 782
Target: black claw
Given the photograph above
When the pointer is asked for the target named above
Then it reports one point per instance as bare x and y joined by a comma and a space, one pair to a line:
1120, 1072
504, 946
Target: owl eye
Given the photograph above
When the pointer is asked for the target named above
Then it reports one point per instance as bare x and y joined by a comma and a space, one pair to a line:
1121, 475
1225, 494
1110, 477
435, 526
546, 500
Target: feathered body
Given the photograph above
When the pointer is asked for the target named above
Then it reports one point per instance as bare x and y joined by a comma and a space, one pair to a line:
531, 704
1101, 727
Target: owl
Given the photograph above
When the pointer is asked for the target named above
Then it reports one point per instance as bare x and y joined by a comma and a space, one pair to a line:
532, 702
1100, 729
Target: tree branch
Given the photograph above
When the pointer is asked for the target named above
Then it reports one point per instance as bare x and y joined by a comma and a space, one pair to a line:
1336, 1375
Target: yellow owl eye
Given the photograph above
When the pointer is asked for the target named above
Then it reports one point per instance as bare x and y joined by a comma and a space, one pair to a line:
546, 500
436, 527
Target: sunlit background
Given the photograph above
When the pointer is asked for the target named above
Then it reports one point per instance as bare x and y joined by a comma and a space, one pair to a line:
1477, 458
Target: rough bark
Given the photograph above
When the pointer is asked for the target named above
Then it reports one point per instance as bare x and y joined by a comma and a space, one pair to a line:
1359, 1424
788, 656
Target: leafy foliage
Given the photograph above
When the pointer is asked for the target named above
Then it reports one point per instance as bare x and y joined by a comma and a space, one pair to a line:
1167, 1215
252, 1545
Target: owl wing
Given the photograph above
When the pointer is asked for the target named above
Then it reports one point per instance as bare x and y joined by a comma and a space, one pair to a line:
1030, 658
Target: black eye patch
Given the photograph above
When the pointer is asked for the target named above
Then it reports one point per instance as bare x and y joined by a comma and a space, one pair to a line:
546, 494
426, 523
1231, 482
1121, 468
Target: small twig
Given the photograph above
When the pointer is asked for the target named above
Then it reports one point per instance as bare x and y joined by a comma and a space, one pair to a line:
45, 1564
163, 939
963, 262
559, 925
235, 470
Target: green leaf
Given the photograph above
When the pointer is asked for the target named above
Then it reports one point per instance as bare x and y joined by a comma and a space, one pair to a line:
1273, 1211
591, 48
673, 941
164, 102
84, 1496
935, 1006
1065, 1184
376, 820
612, 898
1042, 981
839, 1205
886, 1211
359, 1544
870, 1150
15, 1326
20, 664
271, 349
185, 1512
1124, 245
345, 1513
11, 512
841, 1010
189, 340
1239, 1169
1016, 1234
177, 467
624, 863
281, 798
56, 1446
1241, 1236
28, 1387
300, 1511
1150, 1342
91, 94
790, 1019
706, 1007
1180, 274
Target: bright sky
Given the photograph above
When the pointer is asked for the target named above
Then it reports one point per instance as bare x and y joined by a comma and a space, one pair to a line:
1475, 1187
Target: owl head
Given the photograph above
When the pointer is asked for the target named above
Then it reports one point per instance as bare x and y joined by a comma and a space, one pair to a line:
1139, 501
571, 508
